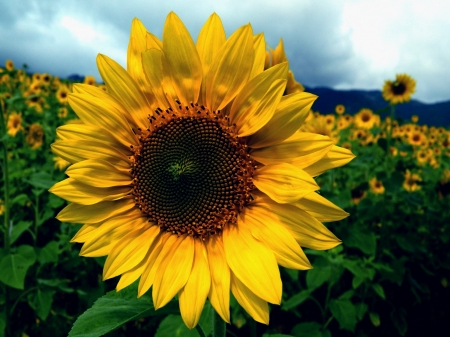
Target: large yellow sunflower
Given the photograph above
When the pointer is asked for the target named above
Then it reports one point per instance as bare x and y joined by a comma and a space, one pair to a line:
400, 90
190, 172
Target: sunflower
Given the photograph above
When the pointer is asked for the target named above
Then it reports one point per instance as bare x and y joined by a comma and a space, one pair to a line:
2, 207
63, 112
9, 65
416, 138
35, 136
411, 181
89, 80
366, 119
376, 186
340, 109
190, 172
14, 123
414, 118
400, 90
62, 94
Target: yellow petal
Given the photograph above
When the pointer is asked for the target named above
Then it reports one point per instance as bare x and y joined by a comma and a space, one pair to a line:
183, 60
256, 307
153, 42
219, 294
301, 148
287, 119
321, 208
284, 182
230, 70
259, 46
193, 295
75, 151
307, 230
152, 61
173, 271
129, 251
85, 132
85, 232
336, 157
124, 89
92, 111
253, 93
99, 173
252, 262
94, 213
265, 227
77, 192
100, 241
210, 40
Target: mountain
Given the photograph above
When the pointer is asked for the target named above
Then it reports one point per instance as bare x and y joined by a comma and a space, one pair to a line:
437, 114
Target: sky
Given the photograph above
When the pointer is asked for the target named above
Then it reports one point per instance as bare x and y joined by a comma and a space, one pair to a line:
341, 44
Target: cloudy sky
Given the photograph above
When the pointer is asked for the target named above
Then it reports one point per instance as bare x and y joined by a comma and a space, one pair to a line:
343, 44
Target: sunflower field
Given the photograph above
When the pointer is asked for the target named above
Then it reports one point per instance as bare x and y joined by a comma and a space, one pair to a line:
388, 277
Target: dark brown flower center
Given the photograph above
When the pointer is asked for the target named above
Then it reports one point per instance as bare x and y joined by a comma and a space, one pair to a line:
192, 174
398, 88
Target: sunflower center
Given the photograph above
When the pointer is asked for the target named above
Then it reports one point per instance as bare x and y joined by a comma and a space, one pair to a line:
365, 117
192, 175
398, 88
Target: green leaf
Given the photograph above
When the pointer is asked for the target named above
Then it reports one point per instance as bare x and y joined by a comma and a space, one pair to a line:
205, 319
379, 290
276, 335
366, 242
296, 300
307, 329
374, 318
114, 309
27, 252
21, 199
2, 326
317, 276
347, 295
345, 313
14, 268
49, 253
18, 229
41, 302
41, 180
357, 281
361, 309
173, 325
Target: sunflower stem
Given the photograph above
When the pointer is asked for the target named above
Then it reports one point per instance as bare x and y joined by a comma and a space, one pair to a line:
219, 325
389, 138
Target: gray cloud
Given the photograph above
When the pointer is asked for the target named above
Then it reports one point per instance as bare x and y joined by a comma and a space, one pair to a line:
62, 38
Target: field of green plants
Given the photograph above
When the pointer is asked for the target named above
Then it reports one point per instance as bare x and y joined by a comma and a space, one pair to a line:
389, 277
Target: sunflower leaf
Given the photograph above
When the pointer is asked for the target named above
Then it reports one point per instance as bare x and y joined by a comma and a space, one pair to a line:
115, 309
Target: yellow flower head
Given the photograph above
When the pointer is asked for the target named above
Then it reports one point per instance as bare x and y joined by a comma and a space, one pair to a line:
89, 80
35, 136
9, 65
366, 119
63, 112
400, 90
414, 118
62, 94
340, 109
14, 123
376, 186
411, 181
2, 207
190, 173
416, 138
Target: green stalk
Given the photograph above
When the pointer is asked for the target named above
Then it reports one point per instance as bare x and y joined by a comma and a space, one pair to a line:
219, 325
6, 243
389, 139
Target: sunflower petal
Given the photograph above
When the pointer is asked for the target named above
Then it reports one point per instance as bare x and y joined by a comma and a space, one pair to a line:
219, 294
284, 182
259, 45
230, 70
256, 307
84, 132
193, 295
252, 262
99, 173
80, 193
266, 228
101, 211
210, 40
301, 150
124, 89
321, 208
173, 271
183, 59
336, 157
129, 251
287, 119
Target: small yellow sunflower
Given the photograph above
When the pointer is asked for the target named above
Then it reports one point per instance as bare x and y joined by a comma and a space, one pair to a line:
35, 136
411, 181
2, 207
14, 123
63, 112
414, 118
416, 138
340, 109
9, 65
46, 79
376, 186
62, 94
89, 80
190, 172
400, 90
366, 119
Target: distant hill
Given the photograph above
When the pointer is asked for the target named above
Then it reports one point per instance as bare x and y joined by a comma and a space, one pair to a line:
437, 114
